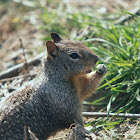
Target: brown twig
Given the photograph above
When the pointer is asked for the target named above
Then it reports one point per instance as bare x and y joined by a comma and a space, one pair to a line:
14, 71
17, 77
25, 60
103, 114
25, 133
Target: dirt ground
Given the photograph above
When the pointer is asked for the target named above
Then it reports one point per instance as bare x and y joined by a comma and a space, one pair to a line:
25, 25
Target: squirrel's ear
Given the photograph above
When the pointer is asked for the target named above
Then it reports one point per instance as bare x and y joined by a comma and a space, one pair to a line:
50, 46
55, 37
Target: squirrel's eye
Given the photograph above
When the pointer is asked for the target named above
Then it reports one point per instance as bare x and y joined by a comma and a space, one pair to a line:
74, 56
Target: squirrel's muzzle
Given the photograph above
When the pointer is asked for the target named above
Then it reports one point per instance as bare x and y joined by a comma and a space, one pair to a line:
96, 58
93, 57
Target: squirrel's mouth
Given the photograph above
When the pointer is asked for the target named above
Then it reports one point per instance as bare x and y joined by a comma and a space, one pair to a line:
89, 70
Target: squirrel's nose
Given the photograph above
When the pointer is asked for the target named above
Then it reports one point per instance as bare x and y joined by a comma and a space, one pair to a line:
96, 58
91, 57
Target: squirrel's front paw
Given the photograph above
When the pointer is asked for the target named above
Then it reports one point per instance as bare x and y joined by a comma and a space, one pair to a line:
101, 68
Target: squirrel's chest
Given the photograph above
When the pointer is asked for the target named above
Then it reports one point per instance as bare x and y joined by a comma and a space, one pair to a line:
64, 99
60, 99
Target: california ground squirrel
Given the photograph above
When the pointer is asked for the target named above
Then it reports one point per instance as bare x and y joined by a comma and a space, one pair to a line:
52, 101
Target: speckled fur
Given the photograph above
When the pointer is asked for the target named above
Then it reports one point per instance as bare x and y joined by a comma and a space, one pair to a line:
50, 102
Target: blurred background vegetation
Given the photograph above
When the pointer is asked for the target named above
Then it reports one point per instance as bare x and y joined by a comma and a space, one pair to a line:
96, 24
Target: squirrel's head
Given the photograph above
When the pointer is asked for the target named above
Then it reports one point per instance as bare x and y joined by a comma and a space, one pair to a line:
71, 57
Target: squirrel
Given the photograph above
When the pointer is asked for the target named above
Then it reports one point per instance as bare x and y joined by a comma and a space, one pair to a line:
52, 101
